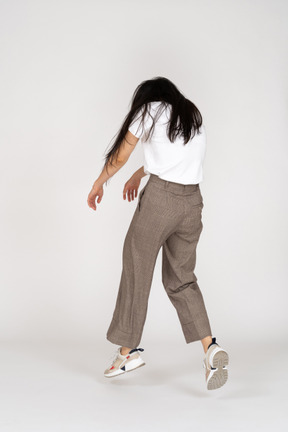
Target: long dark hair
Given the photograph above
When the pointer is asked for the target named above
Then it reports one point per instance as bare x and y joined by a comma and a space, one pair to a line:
185, 118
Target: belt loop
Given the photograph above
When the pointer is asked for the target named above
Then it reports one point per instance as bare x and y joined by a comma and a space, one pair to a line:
166, 184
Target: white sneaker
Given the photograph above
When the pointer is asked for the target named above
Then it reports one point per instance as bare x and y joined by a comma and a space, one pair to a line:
215, 363
124, 363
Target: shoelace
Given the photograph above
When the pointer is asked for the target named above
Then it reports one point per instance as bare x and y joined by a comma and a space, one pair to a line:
113, 357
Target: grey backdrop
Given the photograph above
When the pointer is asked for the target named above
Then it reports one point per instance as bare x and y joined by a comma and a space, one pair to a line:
68, 71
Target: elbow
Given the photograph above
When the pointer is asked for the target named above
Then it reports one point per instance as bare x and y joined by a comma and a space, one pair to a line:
121, 160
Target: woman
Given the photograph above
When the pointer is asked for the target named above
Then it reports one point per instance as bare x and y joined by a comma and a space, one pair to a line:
168, 215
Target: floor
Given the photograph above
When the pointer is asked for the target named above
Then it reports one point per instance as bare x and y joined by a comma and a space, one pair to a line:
59, 386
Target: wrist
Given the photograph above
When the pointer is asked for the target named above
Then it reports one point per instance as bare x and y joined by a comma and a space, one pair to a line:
140, 173
137, 175
98, 183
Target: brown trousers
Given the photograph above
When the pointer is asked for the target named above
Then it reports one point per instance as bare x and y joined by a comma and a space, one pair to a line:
168, 214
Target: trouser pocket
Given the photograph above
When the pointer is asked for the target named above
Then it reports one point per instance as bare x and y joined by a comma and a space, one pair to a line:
140, 196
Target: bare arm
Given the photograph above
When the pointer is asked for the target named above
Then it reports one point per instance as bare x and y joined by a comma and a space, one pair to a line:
107, 172
124, 154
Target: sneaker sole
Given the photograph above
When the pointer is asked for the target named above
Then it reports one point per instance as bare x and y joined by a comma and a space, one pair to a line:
218, 376
134, 364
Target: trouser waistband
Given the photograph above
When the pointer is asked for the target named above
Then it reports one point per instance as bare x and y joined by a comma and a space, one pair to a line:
173, 186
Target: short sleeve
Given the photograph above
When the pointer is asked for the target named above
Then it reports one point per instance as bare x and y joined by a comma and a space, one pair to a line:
136, 128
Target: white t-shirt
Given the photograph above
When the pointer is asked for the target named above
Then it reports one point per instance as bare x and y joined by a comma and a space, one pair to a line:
175, 161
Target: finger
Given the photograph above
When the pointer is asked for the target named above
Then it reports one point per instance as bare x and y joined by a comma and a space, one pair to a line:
91, 203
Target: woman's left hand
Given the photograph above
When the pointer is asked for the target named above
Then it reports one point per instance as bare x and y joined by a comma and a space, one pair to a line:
97, 190
131, 187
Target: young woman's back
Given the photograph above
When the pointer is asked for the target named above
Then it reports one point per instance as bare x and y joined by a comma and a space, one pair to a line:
171, 161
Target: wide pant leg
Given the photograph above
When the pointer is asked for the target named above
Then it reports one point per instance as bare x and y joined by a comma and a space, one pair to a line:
146, 234
179, 279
